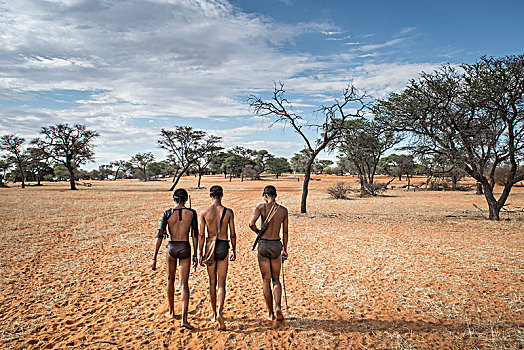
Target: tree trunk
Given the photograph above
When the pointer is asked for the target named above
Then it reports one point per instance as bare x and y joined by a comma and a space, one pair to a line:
22, 174
493, 205
454, 182
144, 171
400, 177
72, 178
409, 181
305, 186
362, 187
230, 176
199, 178
479, 188
176, 179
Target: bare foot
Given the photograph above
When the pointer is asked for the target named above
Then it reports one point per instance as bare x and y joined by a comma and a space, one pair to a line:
173, 316
280, 315
170, 315
221, 324
269, 317
186, 325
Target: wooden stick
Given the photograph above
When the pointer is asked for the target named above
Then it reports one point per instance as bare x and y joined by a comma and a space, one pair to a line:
284, 282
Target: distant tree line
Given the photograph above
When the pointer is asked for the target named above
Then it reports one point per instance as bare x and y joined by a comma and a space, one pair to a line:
451, 123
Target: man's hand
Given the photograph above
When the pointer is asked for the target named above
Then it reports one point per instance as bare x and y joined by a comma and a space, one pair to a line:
153, 265
195, 262
201, 260
284, 255
233, 256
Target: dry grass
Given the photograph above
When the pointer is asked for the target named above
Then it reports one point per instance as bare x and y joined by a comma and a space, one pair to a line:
408, 270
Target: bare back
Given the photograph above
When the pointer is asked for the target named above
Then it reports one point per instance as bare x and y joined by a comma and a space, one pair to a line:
179, 229
211, 219
278, 220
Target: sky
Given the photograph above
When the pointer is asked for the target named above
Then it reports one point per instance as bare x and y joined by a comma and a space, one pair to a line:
129, 68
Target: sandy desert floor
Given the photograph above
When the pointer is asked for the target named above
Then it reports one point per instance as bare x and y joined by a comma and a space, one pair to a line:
408, 270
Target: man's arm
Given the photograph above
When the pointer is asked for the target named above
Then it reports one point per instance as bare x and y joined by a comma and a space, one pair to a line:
159, 238
201, 236
285, 236
254, 218
233, 235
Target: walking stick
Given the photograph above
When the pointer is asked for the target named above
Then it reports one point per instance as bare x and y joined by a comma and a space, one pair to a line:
284, 282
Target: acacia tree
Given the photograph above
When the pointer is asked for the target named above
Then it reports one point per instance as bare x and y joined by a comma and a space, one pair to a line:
185, 146
334, 118
236, 161
215, 166
245, 157
13, 144
278, 166
5, 164
141, 161
231, 165
212, 150
475, 118
37, 163
299, 161
363, 143
262, 160
343, 165
70, 146
119, 165
321, 165
398, 165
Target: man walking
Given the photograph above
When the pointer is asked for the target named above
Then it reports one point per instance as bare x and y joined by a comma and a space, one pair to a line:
271, 251
176, 223
217, 218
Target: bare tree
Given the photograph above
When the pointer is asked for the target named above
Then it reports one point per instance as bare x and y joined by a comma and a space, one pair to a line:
334, 121
13, 144
70, 146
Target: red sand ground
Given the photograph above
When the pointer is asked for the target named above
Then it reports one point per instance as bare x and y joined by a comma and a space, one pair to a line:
409, 270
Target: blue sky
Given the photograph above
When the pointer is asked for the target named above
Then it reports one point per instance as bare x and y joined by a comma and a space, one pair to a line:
129, 68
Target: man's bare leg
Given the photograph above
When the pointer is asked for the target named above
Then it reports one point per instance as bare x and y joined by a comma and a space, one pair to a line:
265, 270
212, 272
170, 287
185, 265
277, 287
222, 266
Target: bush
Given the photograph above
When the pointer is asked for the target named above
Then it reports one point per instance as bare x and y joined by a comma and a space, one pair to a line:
339, 190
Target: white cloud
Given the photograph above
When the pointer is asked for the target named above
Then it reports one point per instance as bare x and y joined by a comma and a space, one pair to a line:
144, 60
389, 43
274, 146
